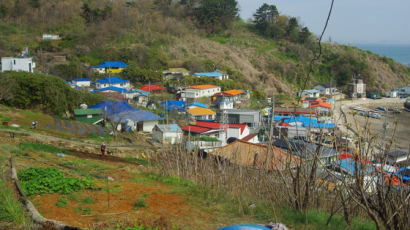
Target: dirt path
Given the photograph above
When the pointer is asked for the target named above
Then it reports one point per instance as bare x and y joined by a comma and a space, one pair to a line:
79, 146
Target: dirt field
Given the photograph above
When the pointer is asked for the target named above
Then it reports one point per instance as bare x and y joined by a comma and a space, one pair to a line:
398, 124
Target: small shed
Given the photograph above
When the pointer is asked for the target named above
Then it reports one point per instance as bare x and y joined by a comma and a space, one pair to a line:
167, 133
88, 115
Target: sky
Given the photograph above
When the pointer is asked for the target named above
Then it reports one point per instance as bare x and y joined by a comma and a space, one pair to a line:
352, 21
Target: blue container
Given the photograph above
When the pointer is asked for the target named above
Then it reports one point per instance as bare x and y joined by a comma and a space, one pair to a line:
245, 227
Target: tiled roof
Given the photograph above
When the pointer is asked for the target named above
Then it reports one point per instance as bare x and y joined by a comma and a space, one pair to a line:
202, 86
194, 129
215, 125
151, 87
230, 93
200, 111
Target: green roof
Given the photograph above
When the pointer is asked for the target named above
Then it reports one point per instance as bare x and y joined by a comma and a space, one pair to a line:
87, 111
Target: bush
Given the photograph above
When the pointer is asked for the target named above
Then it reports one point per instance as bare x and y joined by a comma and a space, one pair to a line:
50, 180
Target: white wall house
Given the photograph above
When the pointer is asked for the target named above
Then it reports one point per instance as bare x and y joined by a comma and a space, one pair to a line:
404, 91
82, 82
309, 93
17, 64
326, 89
215, 75
392, 93
171, 134
197, 91
225, 105
112, 82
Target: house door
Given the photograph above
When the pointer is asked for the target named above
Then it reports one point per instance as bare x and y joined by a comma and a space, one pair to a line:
140, 126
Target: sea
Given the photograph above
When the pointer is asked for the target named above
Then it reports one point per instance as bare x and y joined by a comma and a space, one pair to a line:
399, 53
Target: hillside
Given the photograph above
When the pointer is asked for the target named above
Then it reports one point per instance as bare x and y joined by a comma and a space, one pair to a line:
155, 35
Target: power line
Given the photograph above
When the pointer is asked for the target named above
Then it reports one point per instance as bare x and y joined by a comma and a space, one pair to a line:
315, 58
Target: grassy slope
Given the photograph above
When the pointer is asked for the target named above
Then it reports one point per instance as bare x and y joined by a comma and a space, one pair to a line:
147, 36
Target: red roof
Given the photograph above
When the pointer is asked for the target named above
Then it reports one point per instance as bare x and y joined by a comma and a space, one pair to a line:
249, 137
214, 125
194, 129
149, 87
283, 124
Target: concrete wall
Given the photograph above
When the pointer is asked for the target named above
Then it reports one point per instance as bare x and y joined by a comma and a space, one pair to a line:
148, 126
17, 64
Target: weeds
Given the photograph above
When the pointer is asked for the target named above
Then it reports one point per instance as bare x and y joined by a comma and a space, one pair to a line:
36, 147
87, 200
62, 202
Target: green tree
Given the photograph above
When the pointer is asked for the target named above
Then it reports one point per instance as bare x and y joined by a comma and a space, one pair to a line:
304, 35
291, 29
216, 15
264, 16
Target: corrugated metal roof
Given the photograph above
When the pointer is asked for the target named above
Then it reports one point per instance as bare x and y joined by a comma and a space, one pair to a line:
200, 111
209, 74
87, 111
169, 128
111, 80
151, 87
82, 79
112, 88
230, 93
194, 129
136, 115
202, 86
199, 105
215, 125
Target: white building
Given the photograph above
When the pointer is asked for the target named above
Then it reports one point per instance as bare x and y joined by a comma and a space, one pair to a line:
51, 37
326, 89
112, 82
25, 64
309, 93
392, 93
197, 91
404, 91
171, 134
82, 82
216, 75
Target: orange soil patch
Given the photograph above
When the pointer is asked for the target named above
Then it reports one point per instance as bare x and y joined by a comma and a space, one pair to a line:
118, 204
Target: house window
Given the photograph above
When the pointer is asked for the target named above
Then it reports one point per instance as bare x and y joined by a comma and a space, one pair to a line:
89, 116
14, 61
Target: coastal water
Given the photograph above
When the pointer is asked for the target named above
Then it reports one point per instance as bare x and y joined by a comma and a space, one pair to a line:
399, 53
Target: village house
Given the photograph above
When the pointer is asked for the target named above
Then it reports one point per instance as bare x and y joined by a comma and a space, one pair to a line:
317, 104
20, 63
255, 156
404, 91
112, 82
309, 93
235, 96
88, 115
140, 97
215, 75
198, 91
197, 104
251, 118
357, 88
111, 89
392, 93
237, 131
175, 74
251, 138
109, 67
136, 120
199, 113
51, 37
326, 89
170, 134
81, 82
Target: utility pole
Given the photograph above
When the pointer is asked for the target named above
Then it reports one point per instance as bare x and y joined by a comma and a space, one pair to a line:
271, 127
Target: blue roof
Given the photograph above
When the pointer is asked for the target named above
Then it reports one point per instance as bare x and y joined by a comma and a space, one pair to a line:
113, 107
82, 79
306, 121
113, 88
136, 115
171, 105
112, 80
199, 105
170, 128
245, 227
111, 64
349, 165
145, 93
209, 74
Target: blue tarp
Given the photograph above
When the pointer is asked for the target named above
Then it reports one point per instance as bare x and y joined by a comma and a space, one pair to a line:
171, 105
111, 64
197, 104
113, 107
136, 115
349, 165
245, 227
306, 121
